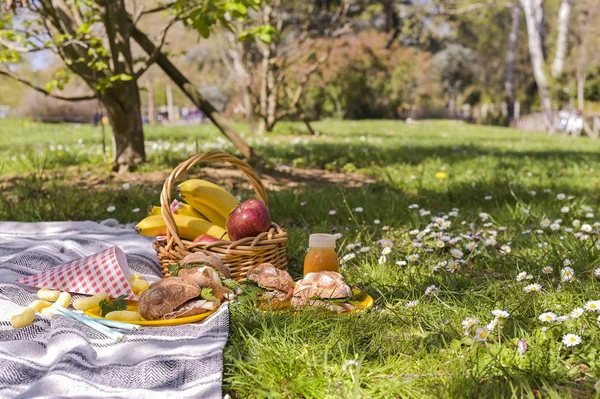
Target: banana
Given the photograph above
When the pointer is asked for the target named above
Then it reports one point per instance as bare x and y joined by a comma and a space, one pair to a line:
182, 209
209, 212
189, 227
209, 194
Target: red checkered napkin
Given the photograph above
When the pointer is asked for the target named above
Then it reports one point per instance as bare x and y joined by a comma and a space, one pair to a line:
106, 271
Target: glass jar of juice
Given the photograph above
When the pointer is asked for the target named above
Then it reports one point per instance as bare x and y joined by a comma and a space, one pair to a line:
321, 254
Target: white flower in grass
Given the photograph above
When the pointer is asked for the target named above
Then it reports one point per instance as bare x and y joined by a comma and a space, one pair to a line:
348, 257
484, 216
386, 251
411, 304
521, 276
126, 186
358, 209
457, 253
401, 263
525, 210
333, 212
413, 206
471, 246
571, 340
561, 319
598, 320
440, 244
529, 277
417, 244
505, 249
490, 242
414, 232
586, 228
349, 364
567, 274
555, 226
547, 269
576, 313
382, 260
135, 210
424, 212
533, 193
447, 238
492, 324
337, 236
532, 287
110, 209
500, 314
376, 221
431, 290
469, 322
481, 334
565, 209
547, 317
545, 222
576, 223
386, 243
446, 225
597, 272
412, 257
592, 306
589, 215
487, 197
567, 262
365, 249
522, 346
560, 196
452, 266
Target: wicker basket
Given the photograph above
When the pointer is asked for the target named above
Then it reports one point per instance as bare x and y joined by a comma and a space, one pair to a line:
240, 256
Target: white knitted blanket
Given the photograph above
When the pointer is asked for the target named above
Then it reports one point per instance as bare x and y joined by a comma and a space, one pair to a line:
60, 357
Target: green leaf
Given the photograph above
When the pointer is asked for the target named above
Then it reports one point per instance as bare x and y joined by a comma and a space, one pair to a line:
207, 294
230, 283
107, 306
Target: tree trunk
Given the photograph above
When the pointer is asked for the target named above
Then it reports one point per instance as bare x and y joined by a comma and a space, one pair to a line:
123, 107
561, 41
580, 91
194, 95
532, 16
452, 104
511, 57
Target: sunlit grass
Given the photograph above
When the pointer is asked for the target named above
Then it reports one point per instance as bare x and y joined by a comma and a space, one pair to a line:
503, 184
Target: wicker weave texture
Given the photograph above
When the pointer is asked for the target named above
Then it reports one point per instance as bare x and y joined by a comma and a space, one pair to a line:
240, 256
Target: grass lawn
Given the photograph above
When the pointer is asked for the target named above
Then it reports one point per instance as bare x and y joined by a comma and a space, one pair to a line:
491, 230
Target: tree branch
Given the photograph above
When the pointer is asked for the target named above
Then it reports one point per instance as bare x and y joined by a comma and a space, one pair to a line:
44, 91
152, 57
158, 9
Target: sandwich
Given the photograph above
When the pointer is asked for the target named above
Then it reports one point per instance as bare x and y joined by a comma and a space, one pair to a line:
324, 289
276, 285
195, 287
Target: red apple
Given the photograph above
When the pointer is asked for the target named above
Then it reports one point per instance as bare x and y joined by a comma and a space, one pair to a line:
205, 238
248, 219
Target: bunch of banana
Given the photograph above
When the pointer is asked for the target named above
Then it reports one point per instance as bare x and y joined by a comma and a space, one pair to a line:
210, 200
189, 227
178, 208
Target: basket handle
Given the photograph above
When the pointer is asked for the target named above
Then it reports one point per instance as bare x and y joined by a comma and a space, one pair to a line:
183, 168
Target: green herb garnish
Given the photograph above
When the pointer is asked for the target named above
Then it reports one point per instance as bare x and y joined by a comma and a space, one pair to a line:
174, 268
111, 305
207, 294
232, 284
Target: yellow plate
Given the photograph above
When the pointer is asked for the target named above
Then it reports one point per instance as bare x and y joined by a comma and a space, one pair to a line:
363, 302
132, 305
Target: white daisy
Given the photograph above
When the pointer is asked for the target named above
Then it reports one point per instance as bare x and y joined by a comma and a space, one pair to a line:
586, 228
386, 251
135, 210
532, 287
111, 208
376, 221
560, 196
481, 334
484, 216
471, 246
567, 262
547, 269
413, 206
457, 253
469, 322
413, 232
440, 244
411, 304
555, 226
547, 317
545, 222
382, 260
452, 266
349, 364
487, 197
490, 242
492, 324
431, 290
592, 306
576, 223
358, 209
365, 249
332, 212
505, 248
597, 272
567, 274
501, 314
412, 257
348, 257
126, 186
571, 340
577, 312
562, 319
521, 276
401, 263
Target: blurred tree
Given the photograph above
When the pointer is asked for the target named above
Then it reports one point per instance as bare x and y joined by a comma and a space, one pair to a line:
457, 66
94, 40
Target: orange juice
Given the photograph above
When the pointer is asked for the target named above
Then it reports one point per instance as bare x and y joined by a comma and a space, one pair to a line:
321, 256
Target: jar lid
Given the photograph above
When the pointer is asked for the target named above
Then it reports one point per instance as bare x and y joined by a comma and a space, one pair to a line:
322, 241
